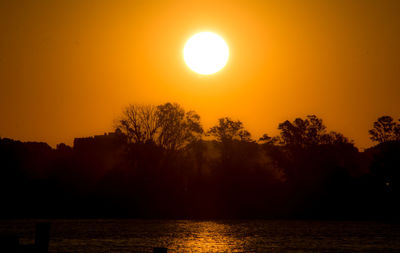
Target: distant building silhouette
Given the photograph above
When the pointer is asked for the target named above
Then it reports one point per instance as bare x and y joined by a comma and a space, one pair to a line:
110, 140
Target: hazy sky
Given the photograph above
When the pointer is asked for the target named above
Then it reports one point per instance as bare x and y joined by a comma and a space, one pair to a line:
67, 68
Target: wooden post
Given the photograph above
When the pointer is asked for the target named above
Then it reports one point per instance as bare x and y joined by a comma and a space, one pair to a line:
160, 250
42, 237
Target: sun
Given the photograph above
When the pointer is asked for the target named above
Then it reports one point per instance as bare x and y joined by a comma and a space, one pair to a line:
206, 53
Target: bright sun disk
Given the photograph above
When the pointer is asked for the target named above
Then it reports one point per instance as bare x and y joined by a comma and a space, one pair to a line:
206, 53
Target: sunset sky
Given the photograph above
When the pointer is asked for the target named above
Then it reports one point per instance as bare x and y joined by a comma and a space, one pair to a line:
67, 68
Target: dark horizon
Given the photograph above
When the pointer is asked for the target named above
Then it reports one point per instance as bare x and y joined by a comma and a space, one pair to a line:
157, 165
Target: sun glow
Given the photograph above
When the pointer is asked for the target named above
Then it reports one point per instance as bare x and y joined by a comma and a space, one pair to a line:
206, 53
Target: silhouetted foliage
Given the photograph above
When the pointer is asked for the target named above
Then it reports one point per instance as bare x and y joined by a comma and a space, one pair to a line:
177, 127
385, 129
231, 137
309, 131
269, 140
228, 130
167, 125
139, 123
155, 165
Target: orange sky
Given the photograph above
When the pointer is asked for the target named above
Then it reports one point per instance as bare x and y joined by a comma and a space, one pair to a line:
67, 68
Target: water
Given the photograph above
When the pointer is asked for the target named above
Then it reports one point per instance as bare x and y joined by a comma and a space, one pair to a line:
212, 236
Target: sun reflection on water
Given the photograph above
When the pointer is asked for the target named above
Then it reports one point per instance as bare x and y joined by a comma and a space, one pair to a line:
204, 236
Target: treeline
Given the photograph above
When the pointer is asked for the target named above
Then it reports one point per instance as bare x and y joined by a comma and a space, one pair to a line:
161, 163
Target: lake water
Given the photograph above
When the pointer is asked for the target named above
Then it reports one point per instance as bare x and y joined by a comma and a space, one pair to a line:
212, 236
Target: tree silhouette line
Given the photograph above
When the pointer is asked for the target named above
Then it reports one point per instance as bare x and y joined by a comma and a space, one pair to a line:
158, 164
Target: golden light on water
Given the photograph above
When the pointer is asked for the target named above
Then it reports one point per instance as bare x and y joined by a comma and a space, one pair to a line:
206, 53
205, 236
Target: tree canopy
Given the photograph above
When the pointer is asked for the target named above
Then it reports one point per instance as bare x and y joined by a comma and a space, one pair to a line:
307, 132
228, 130
385, 129
167, 125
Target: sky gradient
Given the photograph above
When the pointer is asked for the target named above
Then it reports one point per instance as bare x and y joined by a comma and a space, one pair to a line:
67, 68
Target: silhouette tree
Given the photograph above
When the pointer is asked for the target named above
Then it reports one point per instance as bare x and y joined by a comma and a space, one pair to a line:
385, 129
307, 132
302, 132
167, 125
177, 128
334, 138
231, 138
266, 139
139, 123
228, 130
